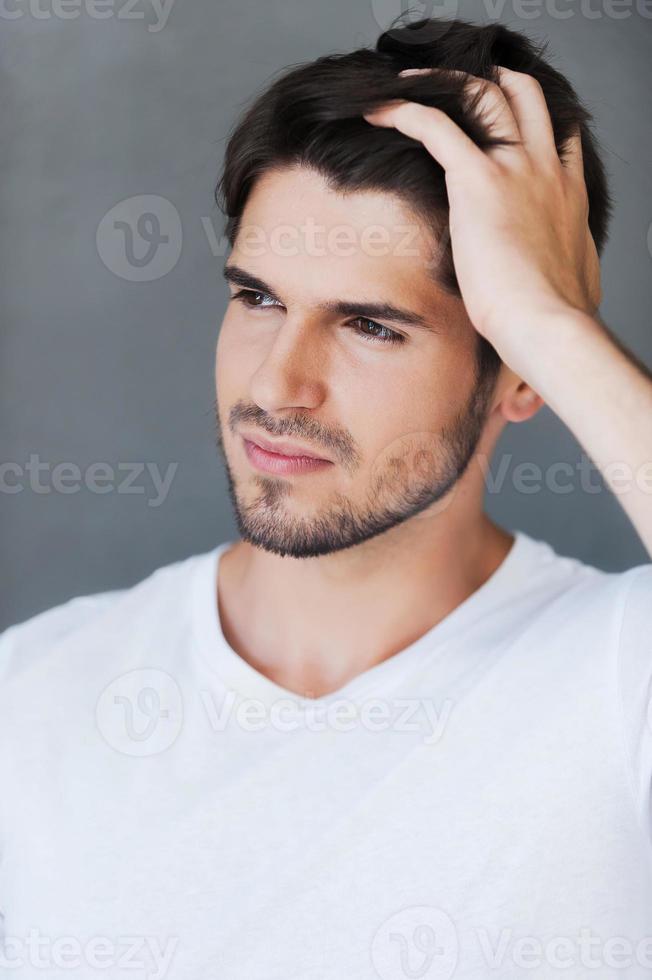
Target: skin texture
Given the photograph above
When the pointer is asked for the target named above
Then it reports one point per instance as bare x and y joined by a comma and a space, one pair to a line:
342, 568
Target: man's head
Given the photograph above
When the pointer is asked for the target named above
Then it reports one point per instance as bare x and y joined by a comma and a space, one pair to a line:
333, 221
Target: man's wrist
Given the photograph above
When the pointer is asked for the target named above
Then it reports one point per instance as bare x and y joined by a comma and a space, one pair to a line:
547, 344
572, 357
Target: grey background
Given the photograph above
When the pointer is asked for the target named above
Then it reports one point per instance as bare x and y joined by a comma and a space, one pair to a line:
99, 368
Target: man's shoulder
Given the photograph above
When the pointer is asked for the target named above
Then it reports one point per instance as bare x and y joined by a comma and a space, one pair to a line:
579, 596
550, 565
98, 617
563, 594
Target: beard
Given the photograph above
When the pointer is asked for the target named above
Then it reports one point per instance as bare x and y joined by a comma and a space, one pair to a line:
410, 477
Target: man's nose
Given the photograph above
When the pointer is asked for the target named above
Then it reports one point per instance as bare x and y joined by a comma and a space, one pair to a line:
293, 371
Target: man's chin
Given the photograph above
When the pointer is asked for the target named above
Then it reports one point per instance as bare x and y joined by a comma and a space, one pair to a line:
279, 534
293, 548
337, 529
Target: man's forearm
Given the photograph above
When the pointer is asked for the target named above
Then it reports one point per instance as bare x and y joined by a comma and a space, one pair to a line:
604, 396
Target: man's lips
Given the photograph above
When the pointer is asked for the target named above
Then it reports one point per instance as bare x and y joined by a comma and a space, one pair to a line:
282, 458
283, 448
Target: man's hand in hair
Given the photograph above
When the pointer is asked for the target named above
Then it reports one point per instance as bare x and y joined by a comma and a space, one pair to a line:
518, 216
529, 274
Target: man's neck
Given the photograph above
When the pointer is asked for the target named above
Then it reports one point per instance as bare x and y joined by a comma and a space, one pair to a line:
311, 625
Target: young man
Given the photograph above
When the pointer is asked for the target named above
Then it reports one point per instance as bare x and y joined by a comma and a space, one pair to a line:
378, 736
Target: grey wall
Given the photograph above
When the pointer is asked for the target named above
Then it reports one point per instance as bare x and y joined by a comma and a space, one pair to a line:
100, 369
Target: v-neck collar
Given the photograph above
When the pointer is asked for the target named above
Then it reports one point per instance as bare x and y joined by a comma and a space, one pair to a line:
238, 675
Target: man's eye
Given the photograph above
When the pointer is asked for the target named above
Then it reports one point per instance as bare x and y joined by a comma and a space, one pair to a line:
252, 298
379, 333
369, 329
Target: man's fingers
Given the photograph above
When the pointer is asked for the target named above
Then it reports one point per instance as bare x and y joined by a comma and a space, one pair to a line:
416, 71
443, 138
492, 103
517, 110
529, 107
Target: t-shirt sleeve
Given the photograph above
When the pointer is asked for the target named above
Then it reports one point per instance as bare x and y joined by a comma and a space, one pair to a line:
24, 643
635, 685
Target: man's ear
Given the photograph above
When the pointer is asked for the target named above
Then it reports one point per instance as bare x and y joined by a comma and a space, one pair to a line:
515, 400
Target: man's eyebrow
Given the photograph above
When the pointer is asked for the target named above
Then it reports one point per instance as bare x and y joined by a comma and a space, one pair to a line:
383, 311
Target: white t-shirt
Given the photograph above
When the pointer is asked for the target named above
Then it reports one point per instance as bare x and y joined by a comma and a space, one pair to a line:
478, 805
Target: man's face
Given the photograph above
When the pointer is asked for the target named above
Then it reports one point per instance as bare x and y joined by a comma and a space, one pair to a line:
397, 419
